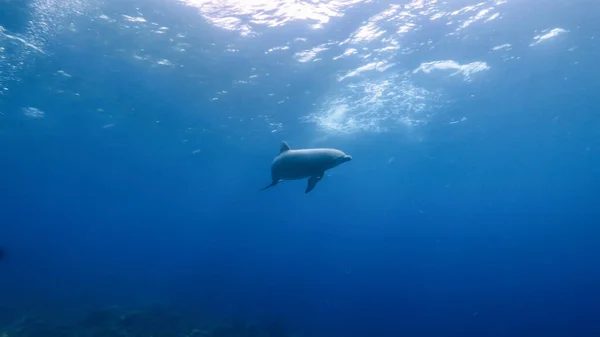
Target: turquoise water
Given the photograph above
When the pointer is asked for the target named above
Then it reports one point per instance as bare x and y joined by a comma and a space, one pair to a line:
136, 136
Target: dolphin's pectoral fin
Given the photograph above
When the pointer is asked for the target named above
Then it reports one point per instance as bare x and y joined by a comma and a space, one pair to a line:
275, 182
312, 182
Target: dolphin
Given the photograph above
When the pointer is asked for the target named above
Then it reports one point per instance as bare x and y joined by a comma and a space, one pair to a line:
304, 163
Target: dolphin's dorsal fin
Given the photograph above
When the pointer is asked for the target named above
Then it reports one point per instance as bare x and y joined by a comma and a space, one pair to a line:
284, 147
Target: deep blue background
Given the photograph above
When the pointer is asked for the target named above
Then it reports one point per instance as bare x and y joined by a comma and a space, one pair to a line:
488, 227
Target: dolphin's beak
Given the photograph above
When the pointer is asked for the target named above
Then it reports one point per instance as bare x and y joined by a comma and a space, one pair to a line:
348, 158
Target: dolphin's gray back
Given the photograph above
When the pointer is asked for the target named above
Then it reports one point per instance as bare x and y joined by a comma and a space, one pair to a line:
303, 163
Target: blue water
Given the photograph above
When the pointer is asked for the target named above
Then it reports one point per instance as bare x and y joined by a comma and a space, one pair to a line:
135, 137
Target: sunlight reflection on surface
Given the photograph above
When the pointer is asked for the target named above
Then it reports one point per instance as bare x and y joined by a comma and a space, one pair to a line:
374, 70
271, 13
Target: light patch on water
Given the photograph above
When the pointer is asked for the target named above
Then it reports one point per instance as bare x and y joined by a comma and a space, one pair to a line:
366, 33
63, 73
161, 30
228, 14
506, 46
347, 52
407, 27
276, 127
387, 49
153, 61
465, 69
140, 57
466, 9
547, 34
311, 54
387, 14
33, 112
277, 49
395, 17
106, 18
458, 121
380, 66
375, 106
483, 14
233, 24
492, 17
134, 18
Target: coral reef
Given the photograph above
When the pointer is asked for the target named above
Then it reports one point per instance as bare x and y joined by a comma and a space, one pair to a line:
152, 322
